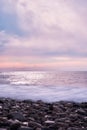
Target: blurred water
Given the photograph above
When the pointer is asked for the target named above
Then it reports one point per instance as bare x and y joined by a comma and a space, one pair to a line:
46, 86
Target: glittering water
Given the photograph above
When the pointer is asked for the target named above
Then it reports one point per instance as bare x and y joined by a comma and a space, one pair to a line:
46, 86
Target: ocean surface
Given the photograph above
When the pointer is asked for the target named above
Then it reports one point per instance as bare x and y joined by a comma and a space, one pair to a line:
44, 85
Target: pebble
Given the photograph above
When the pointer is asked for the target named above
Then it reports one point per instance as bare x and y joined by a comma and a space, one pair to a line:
49, 122
3, 129
80, 111
31, 115
25, 123
15, 126
16, 115
34, 124
0, 107
24, 128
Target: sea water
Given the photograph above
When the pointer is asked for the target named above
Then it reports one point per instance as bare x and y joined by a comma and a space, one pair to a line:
44, 85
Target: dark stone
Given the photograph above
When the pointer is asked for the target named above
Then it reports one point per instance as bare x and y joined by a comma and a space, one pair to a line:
16, 115
25, 128
1, 101
47, 129
81, 111
83, 105
3, 129
51, 107
34, 124
15, 126
31, 115
4, 124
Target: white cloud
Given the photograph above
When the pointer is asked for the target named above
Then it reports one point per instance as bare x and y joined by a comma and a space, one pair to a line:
40, 47
55, 29
48, 18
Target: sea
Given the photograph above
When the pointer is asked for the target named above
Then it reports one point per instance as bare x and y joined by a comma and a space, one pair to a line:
44, 85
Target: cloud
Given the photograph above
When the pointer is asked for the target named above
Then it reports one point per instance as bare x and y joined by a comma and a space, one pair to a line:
45, 31
40, 47
44, 16
50, 18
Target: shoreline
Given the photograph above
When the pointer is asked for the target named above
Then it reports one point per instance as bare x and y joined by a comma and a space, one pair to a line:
39, 115
37, 100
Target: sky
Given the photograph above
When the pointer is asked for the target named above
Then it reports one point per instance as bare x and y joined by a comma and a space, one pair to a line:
43, 34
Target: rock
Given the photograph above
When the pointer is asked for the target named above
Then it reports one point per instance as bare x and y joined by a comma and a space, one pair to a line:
61, 128
49, 122
83, 105
69, 104
85, 119
73, 128
29, 115
38, 129
73, 117
3, 129
1, 101
47, 116
5, 124
25, 128
47, 129
34, 124
15, 107
0, 107
15, 126
11, 122
4, 119
81, 111
63, 114
16, 115
31, 119
62, 124
25, 123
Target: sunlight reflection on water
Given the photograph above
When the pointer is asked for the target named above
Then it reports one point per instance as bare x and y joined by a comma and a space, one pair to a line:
47, 86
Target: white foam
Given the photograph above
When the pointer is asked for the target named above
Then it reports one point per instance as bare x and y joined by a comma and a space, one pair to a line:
49, 94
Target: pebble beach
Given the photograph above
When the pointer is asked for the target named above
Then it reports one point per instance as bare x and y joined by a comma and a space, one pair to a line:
39, 115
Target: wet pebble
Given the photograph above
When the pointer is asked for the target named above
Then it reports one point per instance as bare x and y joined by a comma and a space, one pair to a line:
31, 115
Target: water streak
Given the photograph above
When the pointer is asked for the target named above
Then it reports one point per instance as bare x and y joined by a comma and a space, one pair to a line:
47, 86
